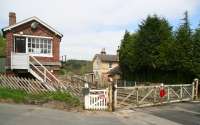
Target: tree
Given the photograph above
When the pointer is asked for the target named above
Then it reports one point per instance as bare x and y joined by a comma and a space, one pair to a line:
126, 53
154, 53
153, 34
184, 46
196, 52
2, 45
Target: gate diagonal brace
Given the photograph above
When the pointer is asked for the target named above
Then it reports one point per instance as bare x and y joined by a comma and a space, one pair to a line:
146, 96
187, 91
175, 93
127, 97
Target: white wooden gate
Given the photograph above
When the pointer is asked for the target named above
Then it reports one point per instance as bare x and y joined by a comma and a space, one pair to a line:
140, 96
97, 100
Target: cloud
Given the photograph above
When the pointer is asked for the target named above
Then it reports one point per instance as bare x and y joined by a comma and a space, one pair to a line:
89, 25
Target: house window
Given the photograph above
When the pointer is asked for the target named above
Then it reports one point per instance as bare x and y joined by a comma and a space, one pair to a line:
110, 65
39, 46
20, 45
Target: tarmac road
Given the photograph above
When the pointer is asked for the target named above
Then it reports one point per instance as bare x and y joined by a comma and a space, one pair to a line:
173, 114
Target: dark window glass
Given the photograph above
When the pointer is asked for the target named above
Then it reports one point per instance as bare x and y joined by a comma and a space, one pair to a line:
20, 44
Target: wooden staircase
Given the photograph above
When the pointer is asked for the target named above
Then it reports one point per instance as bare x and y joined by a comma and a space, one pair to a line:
41, 73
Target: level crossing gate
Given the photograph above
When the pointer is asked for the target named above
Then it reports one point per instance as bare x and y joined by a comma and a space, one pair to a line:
141, 96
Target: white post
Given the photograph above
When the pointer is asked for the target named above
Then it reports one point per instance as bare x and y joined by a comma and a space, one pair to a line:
137, 96
197, 87
193, 90
168, 94
87, 97
181, 92
154, 95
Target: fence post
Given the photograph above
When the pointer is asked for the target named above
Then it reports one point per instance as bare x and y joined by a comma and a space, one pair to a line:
197, 88
115, 95
110, 108
181, 92
168, 94
86, 92
137, 97
154, 95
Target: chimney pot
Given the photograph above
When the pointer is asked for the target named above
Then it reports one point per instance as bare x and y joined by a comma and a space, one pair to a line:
103, 51
12, 18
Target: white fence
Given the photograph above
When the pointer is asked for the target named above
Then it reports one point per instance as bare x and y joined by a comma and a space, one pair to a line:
140, 96
97, 100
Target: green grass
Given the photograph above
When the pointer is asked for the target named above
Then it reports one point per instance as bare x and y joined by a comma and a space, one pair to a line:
20, 96
16, 95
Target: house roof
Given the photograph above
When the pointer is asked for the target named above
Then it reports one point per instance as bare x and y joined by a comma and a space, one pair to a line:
31, 19
115, 70
107, 57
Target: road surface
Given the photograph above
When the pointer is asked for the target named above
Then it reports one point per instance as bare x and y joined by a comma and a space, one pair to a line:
174, 114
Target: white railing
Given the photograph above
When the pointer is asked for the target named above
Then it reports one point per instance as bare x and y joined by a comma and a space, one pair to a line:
44, 74
97, 100
44, 71
139, 96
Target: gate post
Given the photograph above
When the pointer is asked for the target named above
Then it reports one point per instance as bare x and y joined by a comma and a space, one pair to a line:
112, 93
86, 92
115, 95
110, 108
195, 86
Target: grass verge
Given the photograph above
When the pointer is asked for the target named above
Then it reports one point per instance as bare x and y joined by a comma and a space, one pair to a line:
19, 96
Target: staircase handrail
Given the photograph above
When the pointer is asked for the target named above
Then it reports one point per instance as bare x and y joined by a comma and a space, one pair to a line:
44, 68
38, 70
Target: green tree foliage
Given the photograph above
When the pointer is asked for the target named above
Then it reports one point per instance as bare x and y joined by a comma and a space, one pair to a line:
2, 45
153, 35
126, 52
196, 52
184, 46
155, 53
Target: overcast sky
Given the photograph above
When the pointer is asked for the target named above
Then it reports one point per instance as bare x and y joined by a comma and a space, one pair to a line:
89, 25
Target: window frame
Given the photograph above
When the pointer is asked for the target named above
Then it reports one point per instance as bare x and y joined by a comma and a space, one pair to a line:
35, 50
41, 37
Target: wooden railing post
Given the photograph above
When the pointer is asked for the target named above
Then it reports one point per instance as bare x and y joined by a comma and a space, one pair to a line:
45, 75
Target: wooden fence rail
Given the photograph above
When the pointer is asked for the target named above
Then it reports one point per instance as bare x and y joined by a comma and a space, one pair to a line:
36, 87
28, 85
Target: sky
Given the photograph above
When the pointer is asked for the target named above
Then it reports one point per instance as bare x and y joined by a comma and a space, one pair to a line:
90, 25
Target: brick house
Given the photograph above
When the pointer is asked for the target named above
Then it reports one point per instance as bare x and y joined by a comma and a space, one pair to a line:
102, 64
31, 46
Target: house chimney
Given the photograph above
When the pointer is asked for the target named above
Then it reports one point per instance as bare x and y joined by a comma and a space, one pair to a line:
103, 51
12, 18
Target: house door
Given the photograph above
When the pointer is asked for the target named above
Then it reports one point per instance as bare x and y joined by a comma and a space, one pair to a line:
20, 45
